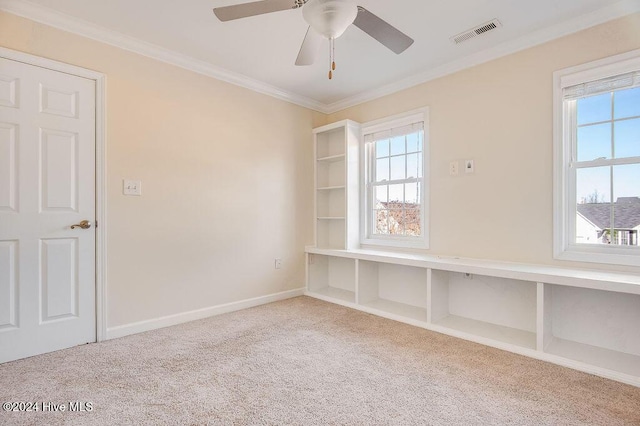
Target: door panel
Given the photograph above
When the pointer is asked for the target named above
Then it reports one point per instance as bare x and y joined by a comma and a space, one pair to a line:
8, 285
47, 184
59, 170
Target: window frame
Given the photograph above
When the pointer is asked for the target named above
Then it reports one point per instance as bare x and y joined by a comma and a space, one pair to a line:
367, 237
564, 176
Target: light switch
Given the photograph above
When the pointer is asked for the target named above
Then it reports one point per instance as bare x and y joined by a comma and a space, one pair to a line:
131, 187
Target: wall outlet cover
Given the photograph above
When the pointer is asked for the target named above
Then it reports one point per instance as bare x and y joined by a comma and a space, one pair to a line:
469, 167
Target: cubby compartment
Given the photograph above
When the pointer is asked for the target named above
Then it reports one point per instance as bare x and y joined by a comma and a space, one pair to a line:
597, 327
330, 202
395, 289
330, 233
331, 173
499, 309
330, 144
333, 277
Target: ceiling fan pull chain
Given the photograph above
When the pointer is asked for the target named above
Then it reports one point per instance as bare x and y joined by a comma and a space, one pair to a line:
331, 58
333, 54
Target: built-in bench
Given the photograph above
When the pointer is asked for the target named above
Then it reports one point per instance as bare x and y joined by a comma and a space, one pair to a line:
586, 320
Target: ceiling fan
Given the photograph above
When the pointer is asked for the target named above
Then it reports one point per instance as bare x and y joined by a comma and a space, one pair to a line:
327, 19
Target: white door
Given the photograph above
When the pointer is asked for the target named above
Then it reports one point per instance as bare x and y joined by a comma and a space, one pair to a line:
47, 184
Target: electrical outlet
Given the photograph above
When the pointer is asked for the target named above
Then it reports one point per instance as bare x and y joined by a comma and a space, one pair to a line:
469, 166
131, 187
453, 168
278, 263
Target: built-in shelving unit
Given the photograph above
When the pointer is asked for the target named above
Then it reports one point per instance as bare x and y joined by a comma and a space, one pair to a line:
587, 320
336, 185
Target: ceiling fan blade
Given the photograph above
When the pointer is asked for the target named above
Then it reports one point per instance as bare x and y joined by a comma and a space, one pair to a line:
382, 31
244, 10
310, 47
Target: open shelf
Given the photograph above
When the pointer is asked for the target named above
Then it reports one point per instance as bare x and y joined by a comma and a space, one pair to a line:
593, 326
400, 309
336, 293
330, 174
600, 357
330, 203
514, 336
332, 158
330, 143
332, 277
396, 289
330, 232
495, 308
331, 188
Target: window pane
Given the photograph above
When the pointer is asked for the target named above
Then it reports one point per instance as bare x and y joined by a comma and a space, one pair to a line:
413, 165
413, 142
397, 145
594, 109
412, 222
412, 195
627, 103
381, 222
626, 209
627, 138
593, 185
396, 194
382, 148
381, 196
396, 222
594, 142
398, 168
382, 169
593, 205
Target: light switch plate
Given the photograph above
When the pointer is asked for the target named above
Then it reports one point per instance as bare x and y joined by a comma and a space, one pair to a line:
131, 187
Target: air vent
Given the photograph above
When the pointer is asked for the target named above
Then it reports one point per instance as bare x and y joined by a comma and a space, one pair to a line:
474, 32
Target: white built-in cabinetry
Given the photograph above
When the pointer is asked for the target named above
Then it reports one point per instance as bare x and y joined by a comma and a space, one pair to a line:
587, 320
336, 185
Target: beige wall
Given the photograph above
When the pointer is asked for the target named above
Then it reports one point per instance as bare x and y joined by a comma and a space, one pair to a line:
499, 114
225, 177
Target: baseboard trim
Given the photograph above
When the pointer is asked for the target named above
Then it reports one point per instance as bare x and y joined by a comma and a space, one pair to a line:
169, 320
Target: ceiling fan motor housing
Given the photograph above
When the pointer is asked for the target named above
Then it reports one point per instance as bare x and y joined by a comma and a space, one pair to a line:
330, 18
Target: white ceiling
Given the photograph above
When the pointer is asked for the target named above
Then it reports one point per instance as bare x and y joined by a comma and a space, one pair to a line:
264, 48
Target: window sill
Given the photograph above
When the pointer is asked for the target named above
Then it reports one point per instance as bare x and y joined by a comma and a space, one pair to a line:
589, 254
400, 244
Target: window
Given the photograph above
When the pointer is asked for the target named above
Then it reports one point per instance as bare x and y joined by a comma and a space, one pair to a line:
597, 156
395, 188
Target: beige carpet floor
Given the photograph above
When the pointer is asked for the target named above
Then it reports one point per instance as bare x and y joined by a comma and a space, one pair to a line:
307, 362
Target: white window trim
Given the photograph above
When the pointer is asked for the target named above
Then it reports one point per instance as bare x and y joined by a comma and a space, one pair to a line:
563, 180
399, 120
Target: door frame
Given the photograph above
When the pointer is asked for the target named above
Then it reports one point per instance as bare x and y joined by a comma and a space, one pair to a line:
101, 183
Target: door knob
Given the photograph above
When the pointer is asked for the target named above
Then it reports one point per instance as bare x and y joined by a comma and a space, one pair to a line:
85, 224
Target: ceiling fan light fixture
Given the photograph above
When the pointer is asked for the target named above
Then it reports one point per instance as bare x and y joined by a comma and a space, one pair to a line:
330, 18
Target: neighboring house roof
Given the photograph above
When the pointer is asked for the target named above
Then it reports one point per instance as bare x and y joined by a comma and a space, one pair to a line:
626, 213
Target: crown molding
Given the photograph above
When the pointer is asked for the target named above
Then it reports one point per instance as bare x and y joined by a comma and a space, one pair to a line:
53, 18
617, 10
83, 28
